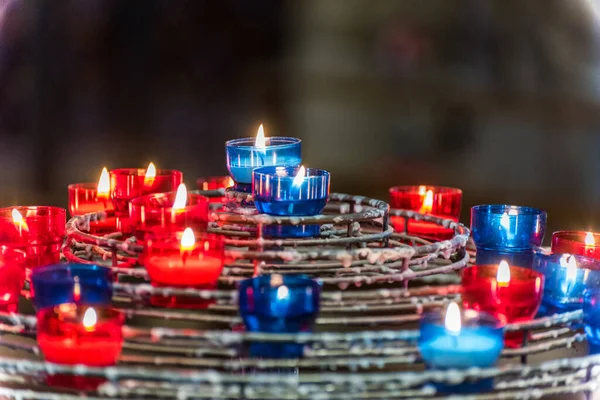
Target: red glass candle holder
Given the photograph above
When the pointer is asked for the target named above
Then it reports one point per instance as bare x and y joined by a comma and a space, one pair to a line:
37, 230
173, 261
12, 276
155, 212
84, 199
129, 183
443, 202
576, 242
516, 300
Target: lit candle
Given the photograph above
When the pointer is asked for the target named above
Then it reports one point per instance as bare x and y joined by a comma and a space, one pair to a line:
91, 197
504, 291
576, 242
442, 202
455, 340
243, 155
12, 276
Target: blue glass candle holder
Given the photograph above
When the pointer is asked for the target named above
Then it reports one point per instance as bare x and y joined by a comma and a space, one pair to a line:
276, 191
516, 258
566, 277
591, 319
243, 156
71, 283
478, 343
279, 304
507, 228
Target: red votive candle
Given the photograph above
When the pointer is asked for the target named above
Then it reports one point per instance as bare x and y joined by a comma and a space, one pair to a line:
576, 242
168, 211
129, 183
85, 198
37, 230
184, 259
12, 276
443, 202
513, 293
215, 183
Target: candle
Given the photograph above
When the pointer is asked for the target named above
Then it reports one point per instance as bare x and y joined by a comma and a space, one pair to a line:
576, 242
12, 276
183, 259
438, 201
591, 319
290, 191
90, 197
215, 183
243, 155
504, 291
455, 340
37, 230
566, 277
168, 211
129, 183
279, 304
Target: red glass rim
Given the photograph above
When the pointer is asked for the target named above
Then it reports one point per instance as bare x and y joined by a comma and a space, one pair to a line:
40, 212
415, 189
152, 201
87, 186
577, 237
490, 271
142, 172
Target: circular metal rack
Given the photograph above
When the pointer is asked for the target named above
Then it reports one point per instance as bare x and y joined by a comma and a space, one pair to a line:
376, 283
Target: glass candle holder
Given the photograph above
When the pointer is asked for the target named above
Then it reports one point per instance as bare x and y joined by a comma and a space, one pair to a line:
155, 212
12, 277
184, 259
516, 258
507, 228
591, 319
215, 183
243, 156
37, 230
279, 304
576, 242
443, 202
566, 277
282, 191
84, 199
476, 341
514, 296
129, 183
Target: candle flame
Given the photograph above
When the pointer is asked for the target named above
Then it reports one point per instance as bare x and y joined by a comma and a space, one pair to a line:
589, 239
282, 292
299, 178
230, 182
103, 188
188, 240
503, 274
452, 321
180, 198
150, 174
90, 319
18, 219
427, 203
422, 190
260, 138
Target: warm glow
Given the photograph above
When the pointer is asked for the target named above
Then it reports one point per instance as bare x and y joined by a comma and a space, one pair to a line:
103, 189
18, 219
427, 203
299, 178
188, 240
180, 198
452, 321
589, 239
230, 182
571, 269
282, 292
422, 190
150, 174
90, 319
503, 275
260, 137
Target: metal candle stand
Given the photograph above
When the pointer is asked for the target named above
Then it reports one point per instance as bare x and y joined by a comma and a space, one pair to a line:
364, 344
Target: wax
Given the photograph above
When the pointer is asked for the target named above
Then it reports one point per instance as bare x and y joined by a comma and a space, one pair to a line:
196, 271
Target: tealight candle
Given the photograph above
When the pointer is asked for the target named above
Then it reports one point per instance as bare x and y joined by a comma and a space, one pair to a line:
439, 201
591, 319
183, 259
91, 197
215, 183
290, 191
37, 230
168, 211
129, 183
455, 340
243, 155
512, 293
12, 276
566, 277
279, 304
576, 242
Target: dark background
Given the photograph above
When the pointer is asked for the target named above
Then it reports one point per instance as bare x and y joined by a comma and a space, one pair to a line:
500, 98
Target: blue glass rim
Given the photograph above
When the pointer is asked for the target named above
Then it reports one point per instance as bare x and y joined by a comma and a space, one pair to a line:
291, 281
500, 209
470, 319
275, 142
312, 174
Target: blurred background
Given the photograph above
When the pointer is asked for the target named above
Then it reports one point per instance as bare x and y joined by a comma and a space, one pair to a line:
498, 97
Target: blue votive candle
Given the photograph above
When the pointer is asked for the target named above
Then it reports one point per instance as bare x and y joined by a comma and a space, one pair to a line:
591, 319
243, 155
461, 340
566, 278
290, 191
279, 304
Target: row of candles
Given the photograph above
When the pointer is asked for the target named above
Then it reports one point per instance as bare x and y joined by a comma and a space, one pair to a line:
74, 301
